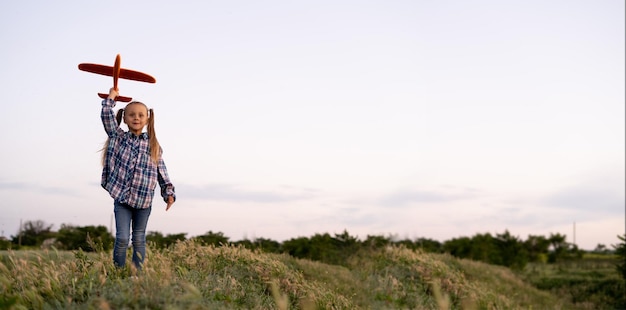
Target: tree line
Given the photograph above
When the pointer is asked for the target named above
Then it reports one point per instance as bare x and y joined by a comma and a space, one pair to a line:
502, 249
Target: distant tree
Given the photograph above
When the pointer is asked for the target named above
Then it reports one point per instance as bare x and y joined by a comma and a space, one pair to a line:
87, 238
376, 242
298, 247
323, 247
573, 252
407, 243
484, 248
161, 241
620, 251
156, 238
537, 248
5, 244
345, 246
503, 249
458, 247
601, 249
171, 239
33, 233
246, 243
211, 238
559, 248
267, 245
428, 245
511, 250
562, 250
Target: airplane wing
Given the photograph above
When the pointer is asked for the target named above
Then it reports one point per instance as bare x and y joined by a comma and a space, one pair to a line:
124, 73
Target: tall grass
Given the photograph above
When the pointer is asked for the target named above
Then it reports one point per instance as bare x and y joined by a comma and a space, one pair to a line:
186, 276
401, 278
592, 282
190, 276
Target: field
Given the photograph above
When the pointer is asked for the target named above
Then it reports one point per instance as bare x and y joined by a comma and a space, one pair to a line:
190, 276
592, 281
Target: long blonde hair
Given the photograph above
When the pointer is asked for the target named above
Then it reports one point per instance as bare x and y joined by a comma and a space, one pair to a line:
155, 147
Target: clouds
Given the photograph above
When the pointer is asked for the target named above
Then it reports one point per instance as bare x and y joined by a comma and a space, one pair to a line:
420, 210
591, 201
237, 193
35, 189
594, 195
405, 198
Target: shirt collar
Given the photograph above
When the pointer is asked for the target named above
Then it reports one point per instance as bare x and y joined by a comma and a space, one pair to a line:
143, 135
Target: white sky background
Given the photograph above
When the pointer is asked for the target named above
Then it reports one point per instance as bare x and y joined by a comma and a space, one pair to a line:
279, 119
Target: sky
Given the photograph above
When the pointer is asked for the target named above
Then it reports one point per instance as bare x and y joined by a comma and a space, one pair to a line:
284, 119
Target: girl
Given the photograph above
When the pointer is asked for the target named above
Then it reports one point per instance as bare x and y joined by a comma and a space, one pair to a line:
132, 166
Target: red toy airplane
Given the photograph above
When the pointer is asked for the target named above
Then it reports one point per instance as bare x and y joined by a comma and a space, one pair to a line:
116, 72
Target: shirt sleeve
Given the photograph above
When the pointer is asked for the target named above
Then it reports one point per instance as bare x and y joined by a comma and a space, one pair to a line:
167, 188
111, 126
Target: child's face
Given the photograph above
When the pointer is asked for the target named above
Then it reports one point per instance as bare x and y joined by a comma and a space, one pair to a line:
136, 117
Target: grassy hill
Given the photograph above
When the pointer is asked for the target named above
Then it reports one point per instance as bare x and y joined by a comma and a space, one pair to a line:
190, 276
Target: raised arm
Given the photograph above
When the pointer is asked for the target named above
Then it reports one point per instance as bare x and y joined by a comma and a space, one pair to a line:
111, 126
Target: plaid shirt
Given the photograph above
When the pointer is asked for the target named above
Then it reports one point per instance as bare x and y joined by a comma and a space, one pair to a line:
129, 174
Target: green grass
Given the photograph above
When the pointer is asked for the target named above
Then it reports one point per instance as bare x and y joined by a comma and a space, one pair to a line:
190, 276
592, 282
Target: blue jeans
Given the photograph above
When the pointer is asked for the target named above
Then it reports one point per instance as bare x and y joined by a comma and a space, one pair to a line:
126, 215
